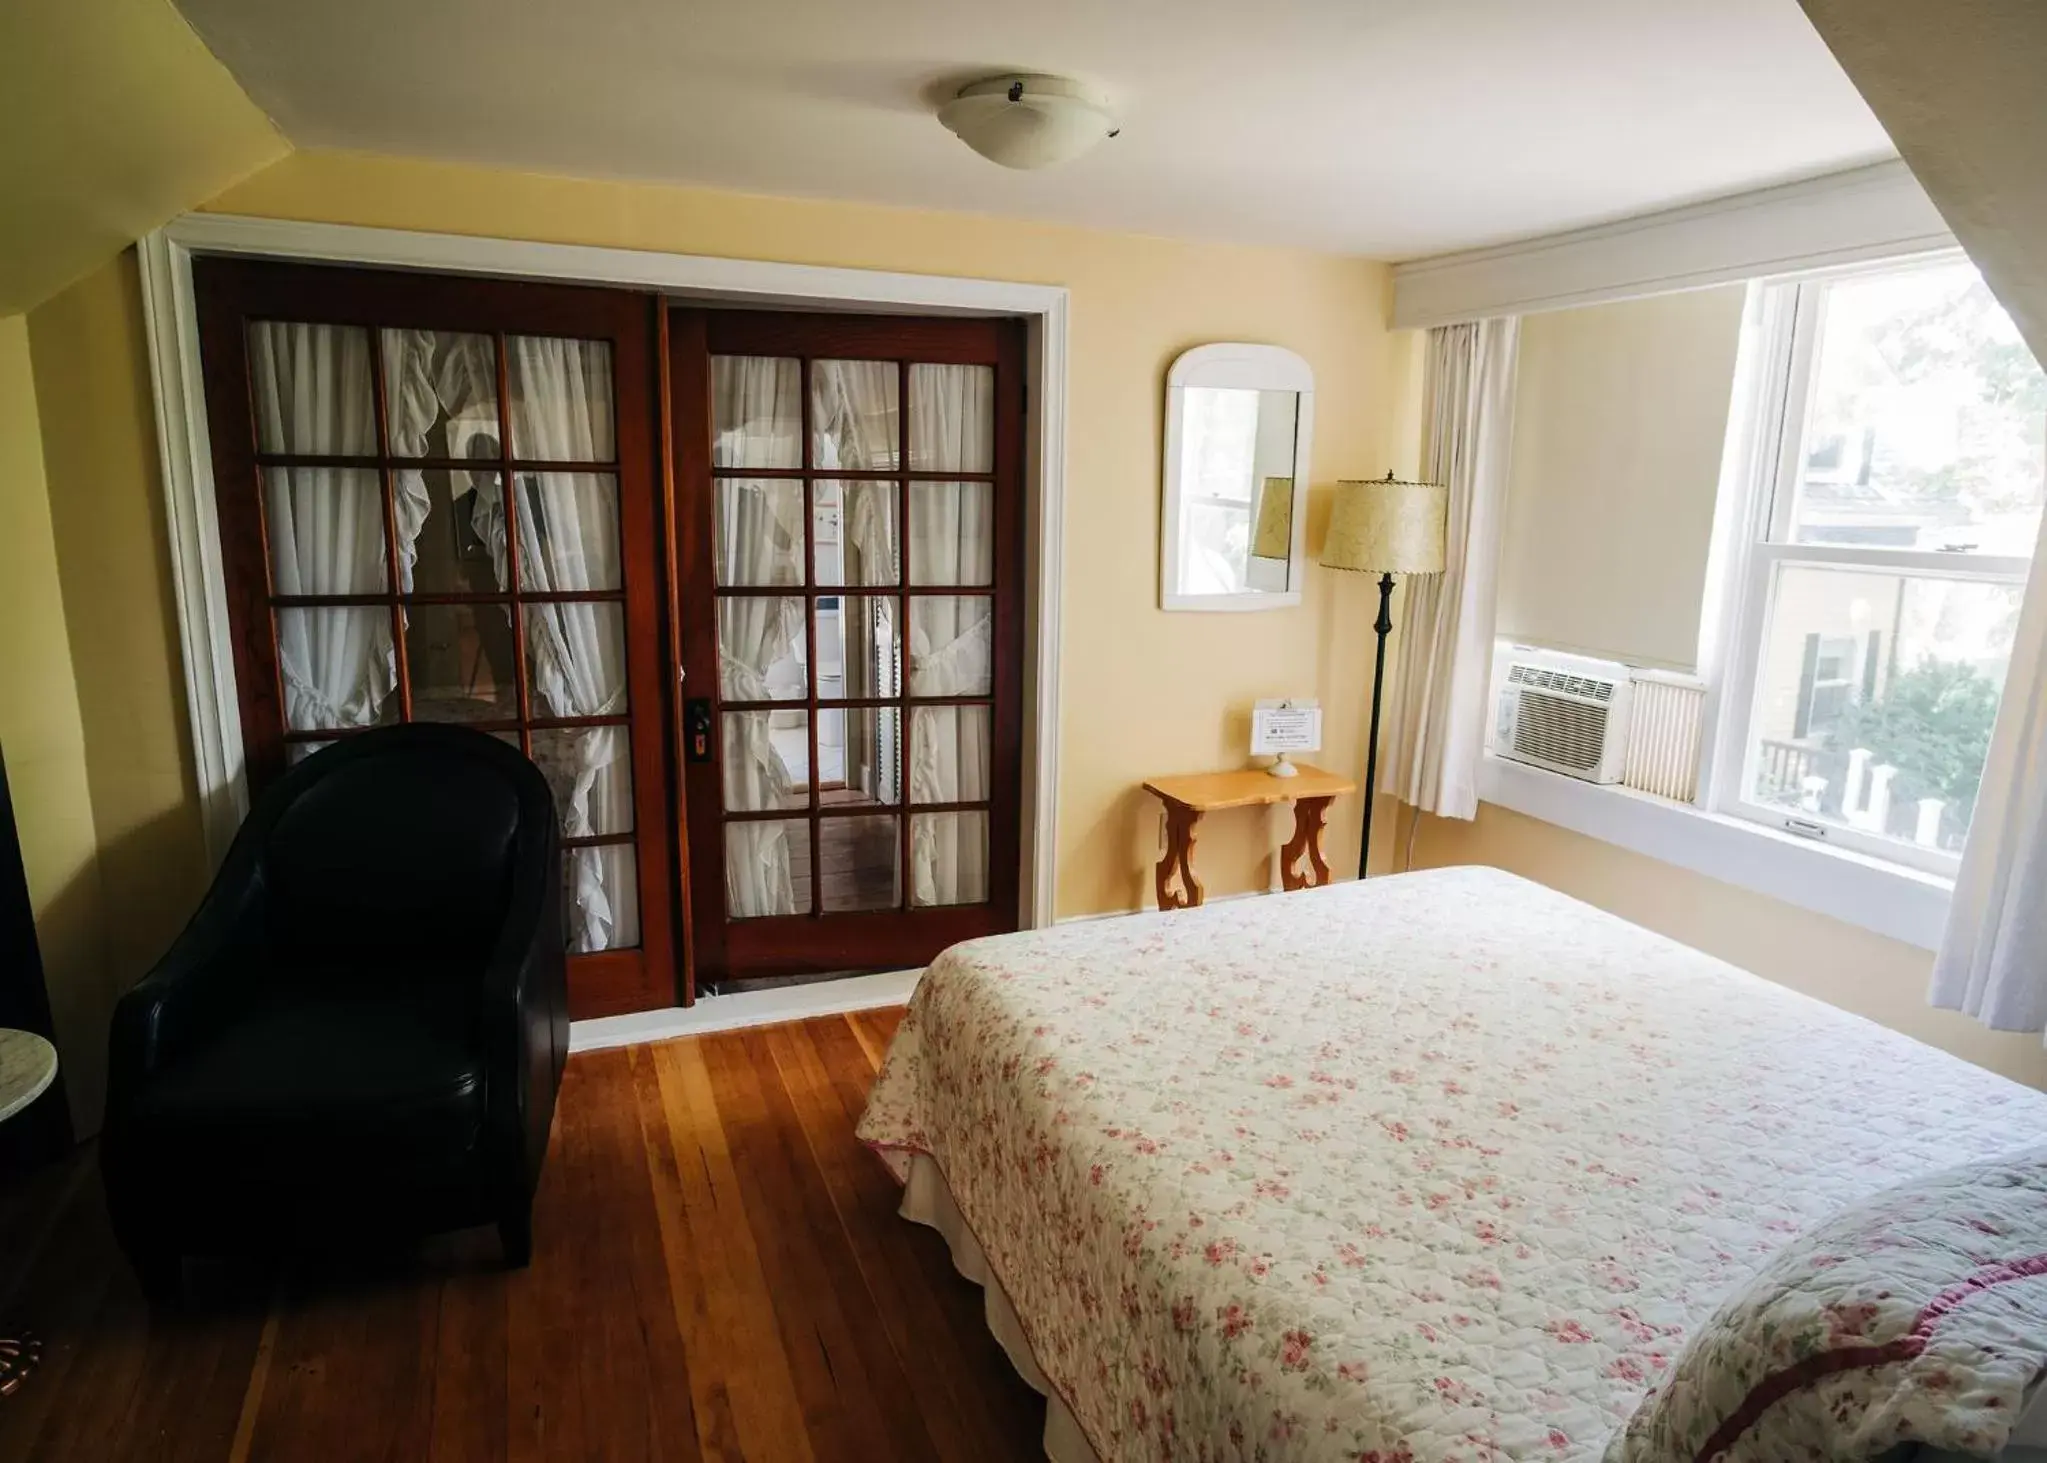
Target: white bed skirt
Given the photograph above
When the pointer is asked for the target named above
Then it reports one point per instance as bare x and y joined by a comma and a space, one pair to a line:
927, 1201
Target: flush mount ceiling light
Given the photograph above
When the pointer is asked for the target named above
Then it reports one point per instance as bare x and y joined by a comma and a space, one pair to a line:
1028, 121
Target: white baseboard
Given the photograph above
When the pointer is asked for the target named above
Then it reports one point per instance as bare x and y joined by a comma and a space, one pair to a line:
746, 1008
787, 1003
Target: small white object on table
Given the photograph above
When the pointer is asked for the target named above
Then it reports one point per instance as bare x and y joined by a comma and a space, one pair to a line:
28, 1065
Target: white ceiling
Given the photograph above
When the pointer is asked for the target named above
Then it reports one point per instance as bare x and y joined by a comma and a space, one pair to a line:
1392, 128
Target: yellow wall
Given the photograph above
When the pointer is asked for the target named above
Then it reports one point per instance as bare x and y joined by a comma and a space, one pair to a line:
43, 740
1143, 692
1882, 979
107, 509
1620, 415
115, 118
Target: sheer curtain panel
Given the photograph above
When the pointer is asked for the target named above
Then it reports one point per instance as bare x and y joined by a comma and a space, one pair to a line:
1437, 722
561, 410
325, 525
759, 542
1993, 956
952, 542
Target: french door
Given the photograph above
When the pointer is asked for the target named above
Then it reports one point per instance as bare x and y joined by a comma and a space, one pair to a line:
849, 513
437, 502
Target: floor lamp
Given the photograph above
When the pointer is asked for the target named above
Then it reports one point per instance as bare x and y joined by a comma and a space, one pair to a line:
1386, 528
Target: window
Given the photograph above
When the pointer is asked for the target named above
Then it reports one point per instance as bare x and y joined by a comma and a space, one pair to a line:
1896, 499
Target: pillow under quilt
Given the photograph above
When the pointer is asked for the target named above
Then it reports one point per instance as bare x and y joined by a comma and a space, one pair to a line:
1915, 1319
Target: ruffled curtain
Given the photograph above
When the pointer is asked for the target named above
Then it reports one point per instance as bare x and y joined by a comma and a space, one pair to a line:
312, 392
560, 409
854, 423
951, 541
759, 542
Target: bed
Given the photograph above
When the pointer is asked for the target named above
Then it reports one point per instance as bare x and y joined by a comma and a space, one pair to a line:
1434, 1167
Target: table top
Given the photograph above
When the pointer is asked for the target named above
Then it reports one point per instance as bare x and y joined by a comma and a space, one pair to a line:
28, 1065
1208, 792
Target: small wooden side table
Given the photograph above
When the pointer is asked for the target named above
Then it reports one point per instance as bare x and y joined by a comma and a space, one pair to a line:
28, 1065
1187, 798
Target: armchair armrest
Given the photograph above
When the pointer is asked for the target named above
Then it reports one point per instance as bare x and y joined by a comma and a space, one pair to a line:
524, 1003
210, 963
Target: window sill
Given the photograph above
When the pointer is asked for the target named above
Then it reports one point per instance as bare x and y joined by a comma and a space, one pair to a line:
1885, 898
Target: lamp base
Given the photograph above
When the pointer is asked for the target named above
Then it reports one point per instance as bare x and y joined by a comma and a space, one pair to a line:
1382, 627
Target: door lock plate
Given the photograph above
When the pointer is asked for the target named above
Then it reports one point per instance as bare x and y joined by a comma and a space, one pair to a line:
696, 729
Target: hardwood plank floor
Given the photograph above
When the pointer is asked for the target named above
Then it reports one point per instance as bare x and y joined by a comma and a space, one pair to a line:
718, 1274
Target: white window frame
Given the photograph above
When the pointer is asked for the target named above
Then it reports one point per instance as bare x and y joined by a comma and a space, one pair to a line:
1775, 399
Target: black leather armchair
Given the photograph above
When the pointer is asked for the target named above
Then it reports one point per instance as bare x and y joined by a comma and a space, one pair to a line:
363, 1028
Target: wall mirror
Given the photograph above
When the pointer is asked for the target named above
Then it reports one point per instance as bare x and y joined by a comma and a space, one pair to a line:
1238, 420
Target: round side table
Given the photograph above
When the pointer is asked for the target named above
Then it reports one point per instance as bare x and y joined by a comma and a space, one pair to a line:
28, 1065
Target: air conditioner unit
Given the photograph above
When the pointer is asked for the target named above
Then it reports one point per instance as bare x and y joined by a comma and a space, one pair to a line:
1567, 713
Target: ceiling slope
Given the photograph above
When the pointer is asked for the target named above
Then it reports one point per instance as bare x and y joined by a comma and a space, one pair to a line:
113, 119
1959, 86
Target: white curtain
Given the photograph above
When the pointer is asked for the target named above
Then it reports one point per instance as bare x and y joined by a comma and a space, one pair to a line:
951, 541
759, 542
1993, 955
854, 417
1436, 723
560, 408
854, 426
311, 385
427, 373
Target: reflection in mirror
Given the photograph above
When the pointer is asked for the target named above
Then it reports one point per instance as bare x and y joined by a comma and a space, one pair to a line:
1236, 475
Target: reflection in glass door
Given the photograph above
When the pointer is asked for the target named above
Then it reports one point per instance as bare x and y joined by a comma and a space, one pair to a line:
861, 607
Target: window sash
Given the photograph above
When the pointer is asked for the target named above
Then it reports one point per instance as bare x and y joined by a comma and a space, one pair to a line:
1777, 397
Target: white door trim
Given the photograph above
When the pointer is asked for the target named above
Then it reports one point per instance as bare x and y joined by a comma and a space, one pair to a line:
187, 461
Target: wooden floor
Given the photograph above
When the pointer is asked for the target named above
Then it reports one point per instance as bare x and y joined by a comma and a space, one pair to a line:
718, 1273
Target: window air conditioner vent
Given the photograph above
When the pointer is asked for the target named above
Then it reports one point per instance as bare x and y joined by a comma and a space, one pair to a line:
1563, 712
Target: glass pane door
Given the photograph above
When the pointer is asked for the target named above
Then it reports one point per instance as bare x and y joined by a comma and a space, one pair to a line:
414, 588
437, 504
831, 696
856, 573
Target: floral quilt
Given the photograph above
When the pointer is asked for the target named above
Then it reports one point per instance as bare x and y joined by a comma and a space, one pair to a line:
1918, 1317
1442, 1166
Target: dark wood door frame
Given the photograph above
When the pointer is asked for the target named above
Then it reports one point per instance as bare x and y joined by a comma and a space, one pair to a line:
899, 938
231, 291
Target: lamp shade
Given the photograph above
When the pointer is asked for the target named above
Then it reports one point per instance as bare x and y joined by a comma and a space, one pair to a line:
1273, 538
1388, 527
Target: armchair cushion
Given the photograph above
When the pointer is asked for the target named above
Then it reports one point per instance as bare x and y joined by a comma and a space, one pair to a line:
393, 854
319, 1088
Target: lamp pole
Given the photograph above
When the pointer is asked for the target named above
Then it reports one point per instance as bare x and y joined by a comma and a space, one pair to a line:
1384, 627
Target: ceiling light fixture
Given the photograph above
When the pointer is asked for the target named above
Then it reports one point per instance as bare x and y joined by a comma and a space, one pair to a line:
1028, 121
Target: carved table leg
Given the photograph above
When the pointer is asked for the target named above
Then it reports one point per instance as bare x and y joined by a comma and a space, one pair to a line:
1179, 857
1309, 814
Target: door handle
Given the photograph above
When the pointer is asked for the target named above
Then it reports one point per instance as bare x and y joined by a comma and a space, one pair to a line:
696, 729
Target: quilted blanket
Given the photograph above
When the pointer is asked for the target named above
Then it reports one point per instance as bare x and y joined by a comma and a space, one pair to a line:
1443, 1166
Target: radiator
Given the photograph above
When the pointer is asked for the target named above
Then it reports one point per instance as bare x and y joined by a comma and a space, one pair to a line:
1664, 733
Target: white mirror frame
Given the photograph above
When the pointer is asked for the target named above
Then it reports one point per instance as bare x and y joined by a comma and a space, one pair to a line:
1231, 365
